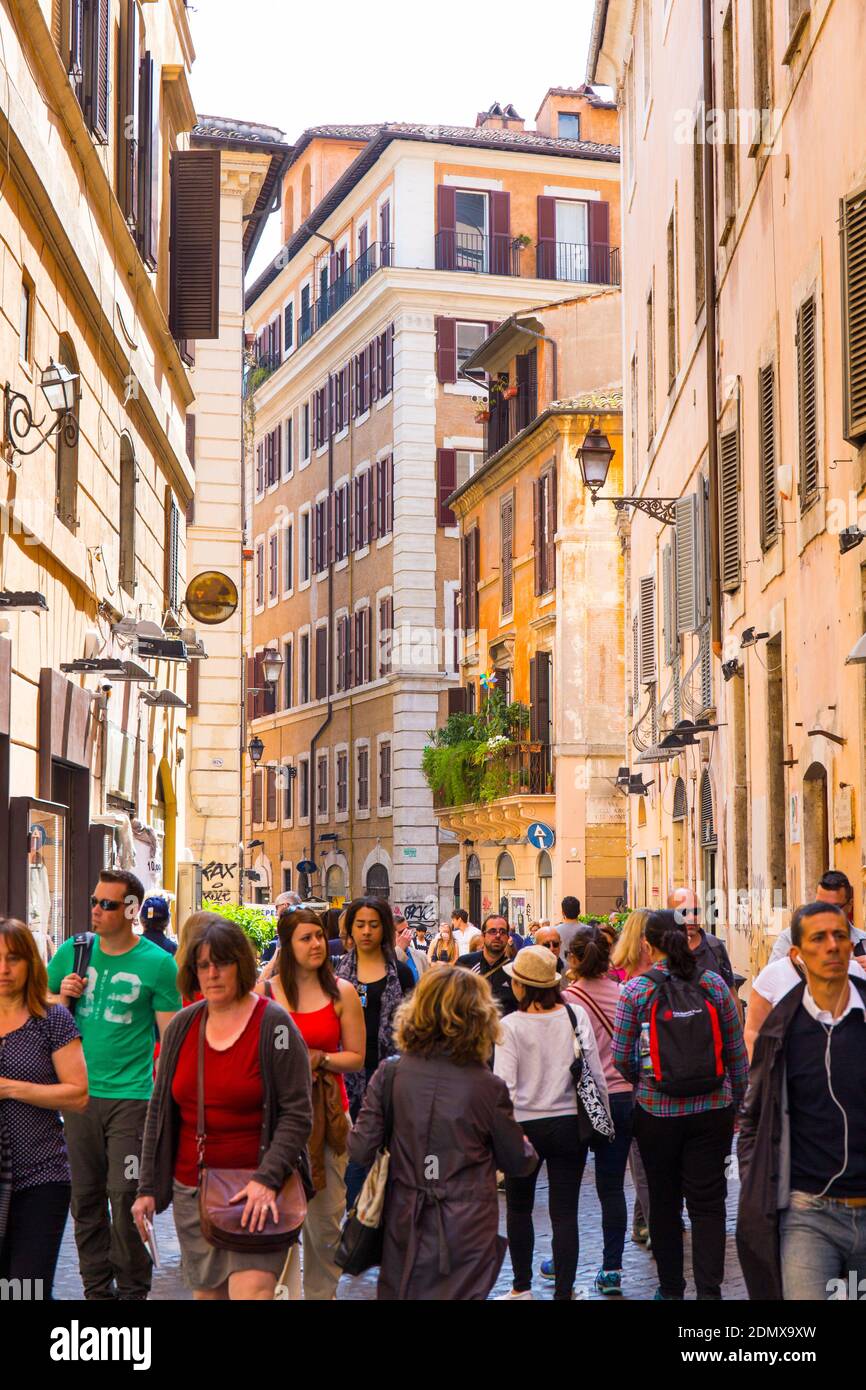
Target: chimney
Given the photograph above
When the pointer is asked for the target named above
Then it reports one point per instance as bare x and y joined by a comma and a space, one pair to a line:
498, 117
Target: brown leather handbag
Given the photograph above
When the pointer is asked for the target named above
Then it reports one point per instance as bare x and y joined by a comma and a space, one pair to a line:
220, 1217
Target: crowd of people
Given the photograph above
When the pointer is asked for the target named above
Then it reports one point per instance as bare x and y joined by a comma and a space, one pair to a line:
253, 1098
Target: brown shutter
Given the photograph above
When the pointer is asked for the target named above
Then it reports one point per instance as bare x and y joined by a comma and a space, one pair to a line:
368, 644
192, 684
500, 233
852, 231
599, 243
476, 571
538, 558
506, 553
550, 556
533, 699
190, 438
321, 663
258, 775
98, 68
446, 349
546, 250
128, 115
542, 697
446, 482
195, 244
807, 401
388, 359
358, 675
446, 222
457, 699
647, 629
729, 489
767, 454
148, 164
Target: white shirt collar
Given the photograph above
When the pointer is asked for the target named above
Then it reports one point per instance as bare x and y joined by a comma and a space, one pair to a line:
824, 1016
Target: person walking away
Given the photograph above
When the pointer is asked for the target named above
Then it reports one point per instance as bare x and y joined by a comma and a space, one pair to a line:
534, 1058
490, 961
801, 1224
329, 1017
130, 986
591, 987
42, 1071
570, 924
155, 919
381, 981
257, 1108
631, 956
441, 1220
833, 887
687, 1089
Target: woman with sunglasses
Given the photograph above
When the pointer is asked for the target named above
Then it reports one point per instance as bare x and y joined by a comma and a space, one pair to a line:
381, 981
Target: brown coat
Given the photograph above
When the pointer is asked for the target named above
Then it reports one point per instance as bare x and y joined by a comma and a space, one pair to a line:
453, 1127
330, 1124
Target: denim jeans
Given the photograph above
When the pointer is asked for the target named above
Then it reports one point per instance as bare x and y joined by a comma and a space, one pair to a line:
821, 1244
610, 1165
356, 1172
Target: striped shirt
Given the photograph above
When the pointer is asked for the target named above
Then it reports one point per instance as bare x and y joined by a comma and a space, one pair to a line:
633, 1010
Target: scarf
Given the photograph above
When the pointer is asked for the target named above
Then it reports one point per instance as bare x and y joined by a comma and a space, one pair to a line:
392, 995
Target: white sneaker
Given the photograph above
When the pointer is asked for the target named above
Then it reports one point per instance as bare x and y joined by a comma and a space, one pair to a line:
502, 1297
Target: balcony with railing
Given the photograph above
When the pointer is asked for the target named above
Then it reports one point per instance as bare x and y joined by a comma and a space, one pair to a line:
518, 787
502, 254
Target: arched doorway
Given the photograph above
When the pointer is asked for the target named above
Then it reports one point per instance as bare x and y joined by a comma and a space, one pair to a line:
505, 877
815, 822
679, 817
335, 884
545, 878
709, 845
378, 882
473, 879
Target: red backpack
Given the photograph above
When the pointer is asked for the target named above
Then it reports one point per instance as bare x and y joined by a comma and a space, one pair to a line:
685, 1036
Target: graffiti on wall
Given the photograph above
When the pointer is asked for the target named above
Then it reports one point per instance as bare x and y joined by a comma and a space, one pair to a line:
218, 878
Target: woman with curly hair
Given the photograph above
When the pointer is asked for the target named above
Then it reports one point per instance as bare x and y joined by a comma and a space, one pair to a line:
451, 1126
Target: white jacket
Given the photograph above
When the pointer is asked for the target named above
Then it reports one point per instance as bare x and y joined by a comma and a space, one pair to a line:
534, 1060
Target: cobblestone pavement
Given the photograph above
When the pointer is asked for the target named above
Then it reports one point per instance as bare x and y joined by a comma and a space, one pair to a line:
639, 1276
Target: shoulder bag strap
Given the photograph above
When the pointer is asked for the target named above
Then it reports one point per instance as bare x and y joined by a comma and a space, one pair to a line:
200, 1134
388, 1102
572, 1018
590, 1003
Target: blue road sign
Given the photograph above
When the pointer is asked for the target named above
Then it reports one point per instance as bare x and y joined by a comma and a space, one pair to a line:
540, 835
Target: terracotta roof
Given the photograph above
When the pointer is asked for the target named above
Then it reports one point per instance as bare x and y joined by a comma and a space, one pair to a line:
247, 132
382, 135
584, 90
607, 398
226, 133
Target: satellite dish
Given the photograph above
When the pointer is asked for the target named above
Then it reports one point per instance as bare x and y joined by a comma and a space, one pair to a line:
211, 597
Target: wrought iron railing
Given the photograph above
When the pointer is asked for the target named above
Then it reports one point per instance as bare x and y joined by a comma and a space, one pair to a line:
595, 264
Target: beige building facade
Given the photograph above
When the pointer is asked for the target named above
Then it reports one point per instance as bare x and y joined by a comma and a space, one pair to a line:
744, 611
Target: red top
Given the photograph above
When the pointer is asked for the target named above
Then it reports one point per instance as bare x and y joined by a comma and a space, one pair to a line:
321, 1029
233, 1101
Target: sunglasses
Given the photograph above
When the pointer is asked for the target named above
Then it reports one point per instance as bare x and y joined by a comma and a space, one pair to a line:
107, 904
496, 931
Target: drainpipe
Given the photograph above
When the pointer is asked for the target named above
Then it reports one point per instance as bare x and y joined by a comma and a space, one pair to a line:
710, 295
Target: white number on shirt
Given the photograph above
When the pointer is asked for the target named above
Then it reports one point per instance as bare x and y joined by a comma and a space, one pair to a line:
122, 977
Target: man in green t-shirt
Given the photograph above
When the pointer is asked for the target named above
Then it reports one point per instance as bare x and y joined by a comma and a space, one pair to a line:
129, 985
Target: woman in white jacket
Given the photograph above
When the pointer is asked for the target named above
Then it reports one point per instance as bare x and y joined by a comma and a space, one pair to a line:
534, 1058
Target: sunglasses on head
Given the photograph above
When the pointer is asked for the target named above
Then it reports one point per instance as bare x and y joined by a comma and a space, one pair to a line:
107, 904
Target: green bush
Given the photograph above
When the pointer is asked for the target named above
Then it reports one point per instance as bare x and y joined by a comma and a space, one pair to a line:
253, 923
459, 764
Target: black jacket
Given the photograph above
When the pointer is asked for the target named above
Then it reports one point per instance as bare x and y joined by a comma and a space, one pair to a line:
764, 1152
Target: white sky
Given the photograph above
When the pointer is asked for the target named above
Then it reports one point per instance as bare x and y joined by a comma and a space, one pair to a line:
277, 62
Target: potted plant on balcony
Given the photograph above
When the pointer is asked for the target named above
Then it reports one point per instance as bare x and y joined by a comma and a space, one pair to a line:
482, 409
509, 392
521, 241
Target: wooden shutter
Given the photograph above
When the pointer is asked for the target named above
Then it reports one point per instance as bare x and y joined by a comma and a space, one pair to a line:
128, 114
260, 468
808, 402
500, 233
388, 358
321, 662
368, 643
541, 698
172, 554
344, 393
647, 629
668, 600
77, 60
506, 553
271, 783
635, 658
358, 678
258, 776
148, 165
533, 699
98, 70
195, 244
476, 571
706, 671
457, 699
599, 243
446, 349
687, 560
372, 505
446, 482
446, 221
538, 558
288, 326
546, 249
767, 454
729, 497
852, 230
550, 537
702, 551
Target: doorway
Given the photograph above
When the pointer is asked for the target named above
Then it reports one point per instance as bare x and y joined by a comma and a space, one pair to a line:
473, 878
815, 823
471, 235
572, 241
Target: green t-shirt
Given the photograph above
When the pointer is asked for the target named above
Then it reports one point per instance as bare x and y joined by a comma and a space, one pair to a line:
115, 1014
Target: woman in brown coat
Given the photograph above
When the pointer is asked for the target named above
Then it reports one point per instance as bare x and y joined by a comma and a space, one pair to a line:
453, 1126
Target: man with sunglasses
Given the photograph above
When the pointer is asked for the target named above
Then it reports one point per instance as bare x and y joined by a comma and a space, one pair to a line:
491, 960
130, 985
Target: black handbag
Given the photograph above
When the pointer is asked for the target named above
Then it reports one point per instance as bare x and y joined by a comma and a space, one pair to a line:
361, 1242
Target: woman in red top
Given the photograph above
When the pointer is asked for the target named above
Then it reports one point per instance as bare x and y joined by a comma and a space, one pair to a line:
330, 1017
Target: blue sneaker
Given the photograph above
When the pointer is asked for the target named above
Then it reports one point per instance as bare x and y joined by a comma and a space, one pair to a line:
547, 1269
659, 1297
609, 1281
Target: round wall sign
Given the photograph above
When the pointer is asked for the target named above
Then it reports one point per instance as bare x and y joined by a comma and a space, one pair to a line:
211, 597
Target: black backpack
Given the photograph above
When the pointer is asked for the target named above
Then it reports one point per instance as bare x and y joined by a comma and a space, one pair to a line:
685, 1036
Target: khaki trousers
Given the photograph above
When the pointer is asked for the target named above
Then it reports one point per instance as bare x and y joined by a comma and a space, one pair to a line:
321, 1234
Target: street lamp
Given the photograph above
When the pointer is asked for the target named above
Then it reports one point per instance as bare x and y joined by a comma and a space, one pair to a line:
272, 666
255, 748
594, 457
59, 387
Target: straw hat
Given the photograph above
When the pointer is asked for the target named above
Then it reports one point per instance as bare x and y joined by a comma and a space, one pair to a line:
534, 966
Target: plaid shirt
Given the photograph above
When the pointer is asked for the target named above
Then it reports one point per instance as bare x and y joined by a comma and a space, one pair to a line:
633, 1009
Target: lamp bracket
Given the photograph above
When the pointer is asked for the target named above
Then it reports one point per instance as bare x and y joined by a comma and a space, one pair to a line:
661, 509
18, 423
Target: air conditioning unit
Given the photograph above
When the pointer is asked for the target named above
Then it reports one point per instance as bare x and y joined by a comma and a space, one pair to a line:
119, 763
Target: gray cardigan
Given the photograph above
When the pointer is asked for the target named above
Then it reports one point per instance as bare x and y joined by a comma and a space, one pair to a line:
287, 1110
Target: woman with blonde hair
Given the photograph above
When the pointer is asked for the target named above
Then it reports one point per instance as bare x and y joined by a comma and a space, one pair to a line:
631, 952
449, 1126
443, 948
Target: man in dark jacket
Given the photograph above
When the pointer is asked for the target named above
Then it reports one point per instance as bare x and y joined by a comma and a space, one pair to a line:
802, 1149
491, 960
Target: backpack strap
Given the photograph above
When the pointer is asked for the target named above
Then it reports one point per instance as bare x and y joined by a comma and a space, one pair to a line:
83, 950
